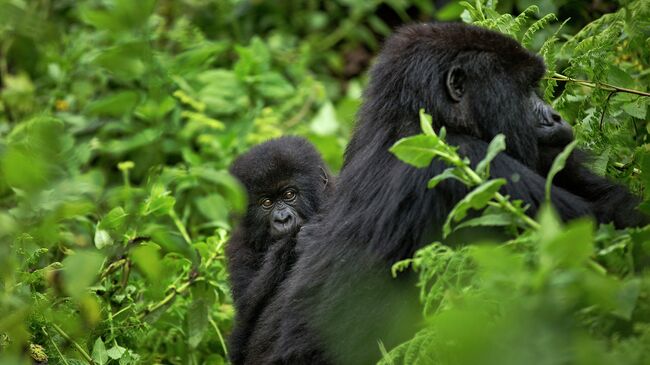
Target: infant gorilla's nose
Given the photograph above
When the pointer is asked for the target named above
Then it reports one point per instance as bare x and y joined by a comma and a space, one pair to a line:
283, 222
282, 218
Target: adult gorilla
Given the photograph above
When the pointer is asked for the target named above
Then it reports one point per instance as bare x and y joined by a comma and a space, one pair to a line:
339, 301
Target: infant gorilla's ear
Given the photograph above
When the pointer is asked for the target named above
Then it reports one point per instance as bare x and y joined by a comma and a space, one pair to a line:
287, 182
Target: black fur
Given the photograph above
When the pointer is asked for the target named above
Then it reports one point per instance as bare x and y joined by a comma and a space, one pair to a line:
339, 300
259, 257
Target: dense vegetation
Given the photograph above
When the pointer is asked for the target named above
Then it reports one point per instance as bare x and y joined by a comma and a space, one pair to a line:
118, 119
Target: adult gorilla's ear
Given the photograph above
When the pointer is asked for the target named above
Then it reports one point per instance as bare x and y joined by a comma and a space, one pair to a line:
455, 83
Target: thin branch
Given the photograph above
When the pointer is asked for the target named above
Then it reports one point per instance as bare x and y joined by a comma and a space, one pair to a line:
598, 85
80, 349
602, 116
216, 328
169, 298
58, 351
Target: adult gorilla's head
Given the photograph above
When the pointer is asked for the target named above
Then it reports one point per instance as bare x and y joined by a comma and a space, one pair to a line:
286, 181
473, 82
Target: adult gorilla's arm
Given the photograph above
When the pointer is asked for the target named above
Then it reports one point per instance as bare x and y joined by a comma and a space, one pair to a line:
611, 202
277, 262
528, 185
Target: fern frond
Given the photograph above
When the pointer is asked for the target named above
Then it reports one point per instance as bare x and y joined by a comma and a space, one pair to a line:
522, 18
537, 26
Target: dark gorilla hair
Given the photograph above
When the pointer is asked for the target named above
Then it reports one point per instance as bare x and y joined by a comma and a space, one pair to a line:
339, 300
287, 182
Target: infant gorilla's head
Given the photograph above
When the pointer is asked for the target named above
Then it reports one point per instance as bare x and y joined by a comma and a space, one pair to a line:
286, 181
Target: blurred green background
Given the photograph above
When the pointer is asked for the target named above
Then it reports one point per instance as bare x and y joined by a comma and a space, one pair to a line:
119, 118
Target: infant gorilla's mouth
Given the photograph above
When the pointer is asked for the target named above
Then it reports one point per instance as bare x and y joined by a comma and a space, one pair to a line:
283, 229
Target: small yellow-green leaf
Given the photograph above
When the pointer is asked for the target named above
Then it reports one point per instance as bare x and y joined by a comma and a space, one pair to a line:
558, 165
497, 145
426, 123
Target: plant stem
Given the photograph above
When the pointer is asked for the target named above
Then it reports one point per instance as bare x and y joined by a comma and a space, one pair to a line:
216, 328
169, 298
503, 202
56, 347
181, 227
598, 85
80, 349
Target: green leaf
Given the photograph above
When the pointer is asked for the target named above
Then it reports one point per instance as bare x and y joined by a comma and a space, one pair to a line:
114, 219
99, 354
116, 352
147, 259
498, 144
569, 248
616, 76
213, 207
197, 321
426, 123
450, 173
626, 298
102, 239
488, 220
325, 122
417, 150
226, 184
272, 85
637, 108
476, 199
114, 105
159, 202
80, 270
558, 165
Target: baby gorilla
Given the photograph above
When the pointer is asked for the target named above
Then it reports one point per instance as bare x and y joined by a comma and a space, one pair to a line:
287, 183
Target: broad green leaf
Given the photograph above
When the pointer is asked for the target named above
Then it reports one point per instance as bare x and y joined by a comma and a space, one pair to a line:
558, 165
147, 259
116, 352
127, 61
476, 199
569, 248
197, 321
214, 208
114, 219
627, 297
102, 239
418, 150
80, 270
498, 144
99, 354
618, 77
226, 184
637, 108
159, 202
114, 105
194, 59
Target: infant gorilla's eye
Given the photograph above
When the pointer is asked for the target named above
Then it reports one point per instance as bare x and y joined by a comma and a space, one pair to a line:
266, 203
289, 195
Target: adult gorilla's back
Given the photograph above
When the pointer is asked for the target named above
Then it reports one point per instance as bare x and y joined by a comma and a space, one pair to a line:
340, 301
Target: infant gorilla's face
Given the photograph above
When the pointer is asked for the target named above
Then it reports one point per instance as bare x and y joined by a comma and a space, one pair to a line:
280, 210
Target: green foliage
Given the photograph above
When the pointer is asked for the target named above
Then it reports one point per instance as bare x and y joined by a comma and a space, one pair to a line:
119, 118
